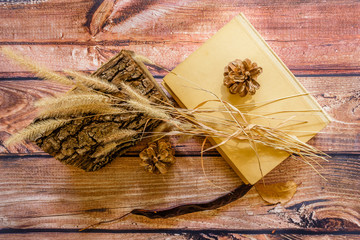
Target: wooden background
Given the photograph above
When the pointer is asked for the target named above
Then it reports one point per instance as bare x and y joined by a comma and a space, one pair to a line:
42, 198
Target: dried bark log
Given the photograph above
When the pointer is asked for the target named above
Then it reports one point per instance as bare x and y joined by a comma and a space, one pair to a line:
78, 143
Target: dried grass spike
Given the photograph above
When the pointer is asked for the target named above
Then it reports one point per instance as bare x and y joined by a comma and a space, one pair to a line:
119, 135
34, 131
75, 99
134, 94
40, 71
77, 110
150, 111
93, 82
104, 150
143, 59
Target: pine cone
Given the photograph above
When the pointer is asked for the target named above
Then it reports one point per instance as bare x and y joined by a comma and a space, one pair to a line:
240, 77
157, 157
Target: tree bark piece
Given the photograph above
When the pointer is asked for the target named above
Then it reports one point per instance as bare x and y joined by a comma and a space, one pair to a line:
79, 143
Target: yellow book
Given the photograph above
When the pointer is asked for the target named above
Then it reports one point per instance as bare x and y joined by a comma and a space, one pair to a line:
204, 69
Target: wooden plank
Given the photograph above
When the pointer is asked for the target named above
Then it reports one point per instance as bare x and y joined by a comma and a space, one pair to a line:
53, 200
17, 107
90, 58
18, 97
44, 21
177, 234
299, 32
341, 56
94, 236
39, 192
68, 20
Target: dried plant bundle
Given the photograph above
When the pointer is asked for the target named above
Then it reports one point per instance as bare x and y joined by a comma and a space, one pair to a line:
189, 124
103, 98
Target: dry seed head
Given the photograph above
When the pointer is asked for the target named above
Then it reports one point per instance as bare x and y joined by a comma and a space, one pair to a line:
73, 100
104, 150
35, 130
119, 135
39, 70
93, 82
143, 59
77, 110
133, 94
149, 110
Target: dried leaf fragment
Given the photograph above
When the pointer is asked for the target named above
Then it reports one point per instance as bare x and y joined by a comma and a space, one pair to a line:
277, 192
158, 157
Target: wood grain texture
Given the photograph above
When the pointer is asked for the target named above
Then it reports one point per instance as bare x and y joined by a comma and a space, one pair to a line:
83, 57
42, 198
171, 235
68, 199
341, 103
63, 195
300, 33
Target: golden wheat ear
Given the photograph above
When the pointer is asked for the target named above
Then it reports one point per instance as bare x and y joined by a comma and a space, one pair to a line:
34, 131
40, 71
93, 82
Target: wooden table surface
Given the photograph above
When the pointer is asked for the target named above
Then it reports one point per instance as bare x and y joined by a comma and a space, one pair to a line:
42, 198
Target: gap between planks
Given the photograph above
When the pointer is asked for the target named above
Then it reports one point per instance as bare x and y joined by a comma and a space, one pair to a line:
180, 231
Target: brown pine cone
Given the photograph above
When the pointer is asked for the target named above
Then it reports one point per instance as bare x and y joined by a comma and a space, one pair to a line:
157, 157
240, 77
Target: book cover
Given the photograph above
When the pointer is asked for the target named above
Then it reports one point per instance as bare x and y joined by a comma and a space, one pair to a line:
280, 95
